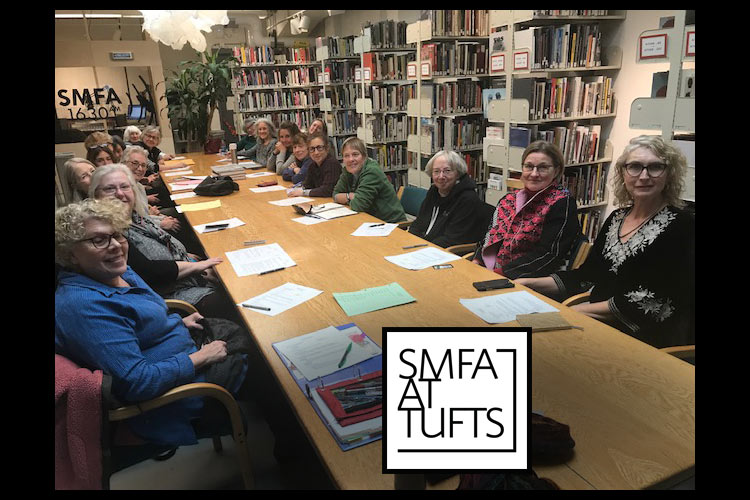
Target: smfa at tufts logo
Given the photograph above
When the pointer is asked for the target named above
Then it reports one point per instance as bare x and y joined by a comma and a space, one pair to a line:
456, 399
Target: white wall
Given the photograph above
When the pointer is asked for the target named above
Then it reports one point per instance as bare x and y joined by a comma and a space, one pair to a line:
634, 79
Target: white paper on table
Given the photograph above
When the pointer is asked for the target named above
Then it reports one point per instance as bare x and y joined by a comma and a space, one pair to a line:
504, 307
255, 260
288, 202
422, 259
267, 189
309, 221
281, 298
318, 353
180, 196
182, 186
335, 213
258, 174
370, 229
178, 158
233, 222
178, 172
196, 177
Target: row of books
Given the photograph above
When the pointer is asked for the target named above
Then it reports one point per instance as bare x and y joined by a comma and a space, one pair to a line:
459, 22
577, 143
293, 76
388, 128
566, 97
571, 12
456, 58
586, 184
344, 96
267, 100
392, 97
338, 46
389, 155
302, 117
345, 122
341, 71
265, 54
454, 133
337, 143
387, 66
462, 96
475, 166
397, 179
589, 221
386, 34
567, 46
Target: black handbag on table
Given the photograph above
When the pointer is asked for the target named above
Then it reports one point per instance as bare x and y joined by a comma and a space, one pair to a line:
216, 186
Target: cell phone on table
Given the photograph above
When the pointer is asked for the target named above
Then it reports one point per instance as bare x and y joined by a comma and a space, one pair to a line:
443, 266
483, 286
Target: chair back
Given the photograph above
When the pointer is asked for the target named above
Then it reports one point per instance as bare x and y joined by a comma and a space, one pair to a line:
579, 252
411, 199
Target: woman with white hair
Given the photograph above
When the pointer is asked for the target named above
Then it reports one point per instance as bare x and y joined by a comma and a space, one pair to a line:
199, 285
451, 211
131, 135
265, 134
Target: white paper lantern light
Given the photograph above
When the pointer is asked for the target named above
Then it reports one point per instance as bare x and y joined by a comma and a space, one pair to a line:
177, 27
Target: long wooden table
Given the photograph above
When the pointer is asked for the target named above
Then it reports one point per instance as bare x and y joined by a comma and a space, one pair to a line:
630, 407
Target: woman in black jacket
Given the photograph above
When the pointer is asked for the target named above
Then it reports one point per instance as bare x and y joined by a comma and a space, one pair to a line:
451, 211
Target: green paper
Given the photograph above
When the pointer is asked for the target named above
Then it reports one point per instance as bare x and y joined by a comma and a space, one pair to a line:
372, 299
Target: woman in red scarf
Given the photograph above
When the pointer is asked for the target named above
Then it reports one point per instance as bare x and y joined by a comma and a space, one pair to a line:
533, 229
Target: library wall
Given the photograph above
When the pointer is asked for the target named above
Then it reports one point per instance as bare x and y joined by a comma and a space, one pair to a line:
634, 80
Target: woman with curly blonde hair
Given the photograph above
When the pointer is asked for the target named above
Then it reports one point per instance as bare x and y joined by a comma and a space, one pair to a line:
642, 263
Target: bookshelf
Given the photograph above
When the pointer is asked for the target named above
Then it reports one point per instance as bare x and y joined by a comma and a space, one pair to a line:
450, 72
281, 84
382, 96
673, 114
339, 93
558, 70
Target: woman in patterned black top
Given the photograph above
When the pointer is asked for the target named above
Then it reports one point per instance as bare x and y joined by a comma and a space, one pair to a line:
641, 265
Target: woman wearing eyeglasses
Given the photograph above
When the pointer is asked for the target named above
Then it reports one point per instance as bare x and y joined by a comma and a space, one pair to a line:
641, 265
108, 318
196, 282
322, 173
532, 229
100, 154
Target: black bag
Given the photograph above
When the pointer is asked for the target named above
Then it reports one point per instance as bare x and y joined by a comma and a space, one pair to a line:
216, 186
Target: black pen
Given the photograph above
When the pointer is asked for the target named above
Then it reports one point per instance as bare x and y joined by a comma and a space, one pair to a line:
415, 246
376, 225
217, 226
256, 307
271, 271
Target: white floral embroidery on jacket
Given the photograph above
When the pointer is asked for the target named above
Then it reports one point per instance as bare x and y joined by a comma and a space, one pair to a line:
661, 309
617, 252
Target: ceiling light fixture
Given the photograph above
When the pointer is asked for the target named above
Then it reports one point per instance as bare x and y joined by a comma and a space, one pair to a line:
175, 27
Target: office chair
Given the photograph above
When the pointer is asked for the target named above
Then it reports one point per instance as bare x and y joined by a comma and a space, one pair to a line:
115, 458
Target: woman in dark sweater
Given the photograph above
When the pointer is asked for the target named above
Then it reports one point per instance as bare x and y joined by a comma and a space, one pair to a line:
450, 213
323, 172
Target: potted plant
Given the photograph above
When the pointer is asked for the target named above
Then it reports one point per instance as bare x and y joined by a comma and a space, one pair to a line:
194, 93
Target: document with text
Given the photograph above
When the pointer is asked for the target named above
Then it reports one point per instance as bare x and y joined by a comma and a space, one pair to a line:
256, 260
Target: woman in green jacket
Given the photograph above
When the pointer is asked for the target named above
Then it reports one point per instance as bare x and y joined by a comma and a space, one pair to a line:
363, 185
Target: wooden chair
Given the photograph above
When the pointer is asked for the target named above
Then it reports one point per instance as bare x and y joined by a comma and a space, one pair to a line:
579, 253
411, 198
114, 412
577, 299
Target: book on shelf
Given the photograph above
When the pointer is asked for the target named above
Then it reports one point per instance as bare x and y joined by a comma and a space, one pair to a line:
578, 13
459, 22
386, 34
586, 183
456, 58
489, 95
519, 137
499, 41
567, 97
560, 47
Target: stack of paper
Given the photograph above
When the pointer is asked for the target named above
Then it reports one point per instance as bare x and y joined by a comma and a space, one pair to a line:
250, 164
504, 307
422, 259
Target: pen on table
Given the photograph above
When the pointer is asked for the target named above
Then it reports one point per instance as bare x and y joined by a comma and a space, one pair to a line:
415, 246
271, 271
376, 225
257, 307
254, 242
343, 358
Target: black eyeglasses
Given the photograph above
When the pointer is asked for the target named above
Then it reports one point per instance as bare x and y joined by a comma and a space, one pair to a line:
542, 169
654, 169
104, 240
319, 149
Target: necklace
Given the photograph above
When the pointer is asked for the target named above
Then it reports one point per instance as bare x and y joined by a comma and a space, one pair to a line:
639, 225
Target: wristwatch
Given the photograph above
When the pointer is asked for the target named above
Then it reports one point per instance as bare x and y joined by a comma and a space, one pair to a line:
347, 198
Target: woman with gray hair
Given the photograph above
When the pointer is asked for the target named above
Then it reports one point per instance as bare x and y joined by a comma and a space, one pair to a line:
265, 134
198, 284
533, 229
451, 211
642, 263
131, 135
248, 141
